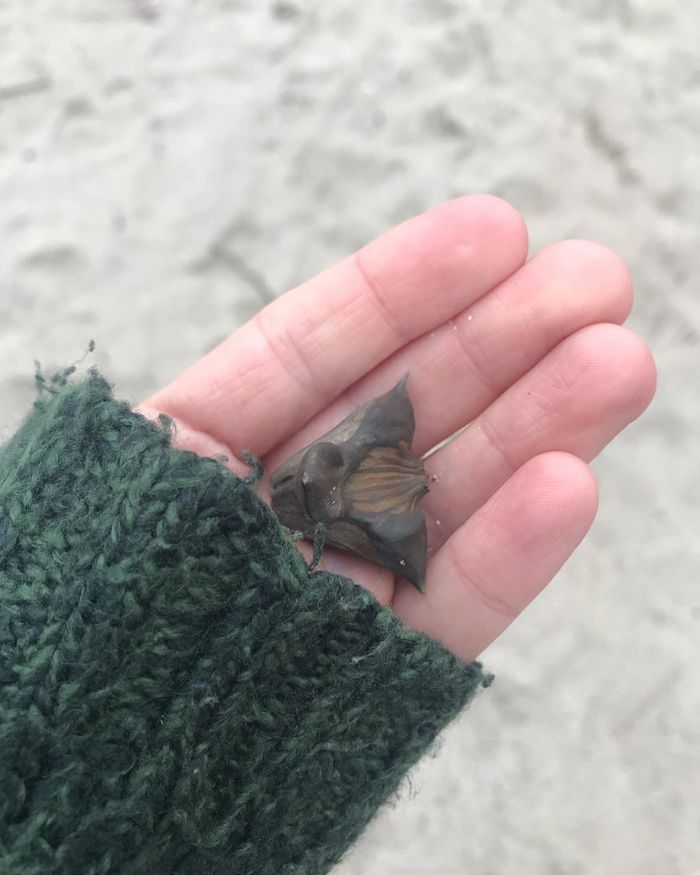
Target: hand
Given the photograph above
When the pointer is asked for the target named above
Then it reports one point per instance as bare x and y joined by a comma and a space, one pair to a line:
529, 356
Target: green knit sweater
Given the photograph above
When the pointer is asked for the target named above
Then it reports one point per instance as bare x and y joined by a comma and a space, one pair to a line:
178, 694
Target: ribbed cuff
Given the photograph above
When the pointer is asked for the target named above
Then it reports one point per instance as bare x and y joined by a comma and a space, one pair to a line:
177, 693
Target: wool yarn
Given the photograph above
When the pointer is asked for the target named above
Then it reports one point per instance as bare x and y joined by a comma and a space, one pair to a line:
178, 693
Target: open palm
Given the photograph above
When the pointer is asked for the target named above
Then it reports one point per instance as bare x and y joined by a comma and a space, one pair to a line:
529, 356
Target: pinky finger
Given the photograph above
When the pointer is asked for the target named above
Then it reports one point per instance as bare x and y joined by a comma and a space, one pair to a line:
495, 564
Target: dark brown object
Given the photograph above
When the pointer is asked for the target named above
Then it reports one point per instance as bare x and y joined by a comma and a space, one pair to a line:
361, 481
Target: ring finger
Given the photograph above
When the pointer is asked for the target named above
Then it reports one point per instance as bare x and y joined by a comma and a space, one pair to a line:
575, 400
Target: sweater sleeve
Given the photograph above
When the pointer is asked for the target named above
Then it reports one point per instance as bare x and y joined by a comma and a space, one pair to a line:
177, 693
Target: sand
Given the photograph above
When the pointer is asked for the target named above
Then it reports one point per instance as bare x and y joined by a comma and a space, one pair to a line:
166, 168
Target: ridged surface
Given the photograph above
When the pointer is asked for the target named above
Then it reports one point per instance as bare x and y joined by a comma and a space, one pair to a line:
177, 694
387, 480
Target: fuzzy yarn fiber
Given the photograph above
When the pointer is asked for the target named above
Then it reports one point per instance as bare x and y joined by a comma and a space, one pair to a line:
178, 694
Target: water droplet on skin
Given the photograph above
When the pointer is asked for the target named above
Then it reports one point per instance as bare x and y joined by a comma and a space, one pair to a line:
469, 318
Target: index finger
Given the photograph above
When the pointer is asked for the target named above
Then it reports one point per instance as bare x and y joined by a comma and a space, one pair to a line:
277, 371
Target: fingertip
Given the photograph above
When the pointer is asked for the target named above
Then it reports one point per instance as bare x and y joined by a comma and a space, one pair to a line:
606, 272
469, 243
497, 217
558, 490
636, 358
642, 369
620, 362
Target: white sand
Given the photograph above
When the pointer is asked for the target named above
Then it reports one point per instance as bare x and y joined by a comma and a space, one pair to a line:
166, 166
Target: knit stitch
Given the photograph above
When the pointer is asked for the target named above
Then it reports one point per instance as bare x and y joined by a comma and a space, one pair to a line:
178, 694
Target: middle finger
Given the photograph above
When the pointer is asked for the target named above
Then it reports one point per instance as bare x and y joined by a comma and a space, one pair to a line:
575, 400
459, 369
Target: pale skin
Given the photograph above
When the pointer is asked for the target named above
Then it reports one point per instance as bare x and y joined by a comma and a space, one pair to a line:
529, 355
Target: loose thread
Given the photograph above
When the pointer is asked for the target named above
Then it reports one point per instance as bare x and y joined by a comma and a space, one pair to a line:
257, 468
60, 378
319, 544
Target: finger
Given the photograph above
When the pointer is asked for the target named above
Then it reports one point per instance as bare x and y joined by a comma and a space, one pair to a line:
458, 369
499, 560
575, 400
304, 349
